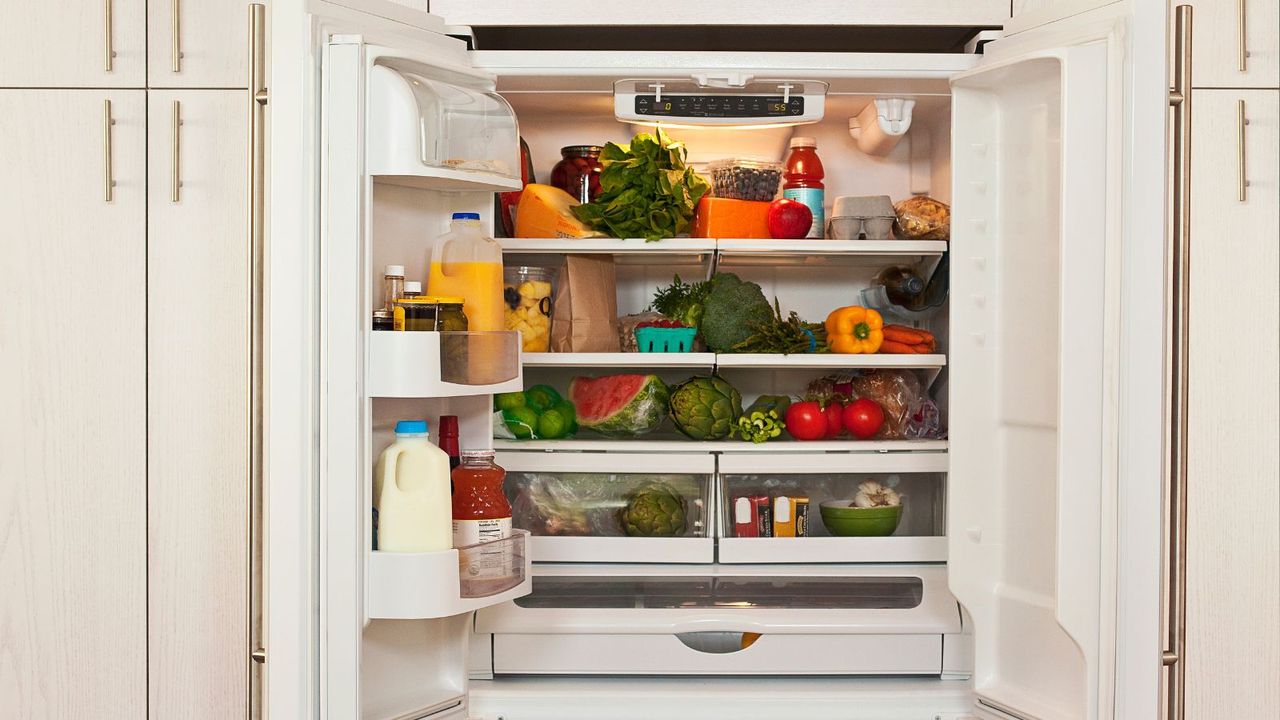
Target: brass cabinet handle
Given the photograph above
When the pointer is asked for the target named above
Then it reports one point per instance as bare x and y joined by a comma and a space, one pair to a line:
175, 179
1242, 179
106, 25
257, 101
175, 49
1177, 348
1241, 43
108, 180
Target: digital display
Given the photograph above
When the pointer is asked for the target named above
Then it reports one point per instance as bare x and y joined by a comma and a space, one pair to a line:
725, 106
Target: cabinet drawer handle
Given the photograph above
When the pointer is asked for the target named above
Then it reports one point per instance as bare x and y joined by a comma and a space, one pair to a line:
175, 180
1242, 179
175, 50
1241, 43
108, 180
1177, 348
106, 26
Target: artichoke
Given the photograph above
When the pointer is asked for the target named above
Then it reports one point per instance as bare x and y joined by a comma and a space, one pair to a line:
654, 510
706, 408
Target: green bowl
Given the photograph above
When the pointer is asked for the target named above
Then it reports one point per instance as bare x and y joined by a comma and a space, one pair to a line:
845, 521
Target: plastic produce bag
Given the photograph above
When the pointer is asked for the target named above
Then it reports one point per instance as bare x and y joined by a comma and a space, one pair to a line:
908, 410
590, 504
922, 218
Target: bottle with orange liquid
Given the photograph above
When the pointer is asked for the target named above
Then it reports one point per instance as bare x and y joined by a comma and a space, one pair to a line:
467, 263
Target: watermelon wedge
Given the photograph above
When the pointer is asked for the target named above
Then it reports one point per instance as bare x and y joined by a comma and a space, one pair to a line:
620, 406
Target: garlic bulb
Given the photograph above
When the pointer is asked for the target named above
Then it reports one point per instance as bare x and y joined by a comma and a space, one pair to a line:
873, 494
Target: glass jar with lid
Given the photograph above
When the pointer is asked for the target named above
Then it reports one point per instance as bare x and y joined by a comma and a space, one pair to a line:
416, 314
578, 172
449, 314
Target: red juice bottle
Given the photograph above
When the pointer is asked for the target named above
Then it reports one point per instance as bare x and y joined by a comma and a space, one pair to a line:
803, 180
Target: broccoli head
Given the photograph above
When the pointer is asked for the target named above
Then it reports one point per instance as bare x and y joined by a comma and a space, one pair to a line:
732, 311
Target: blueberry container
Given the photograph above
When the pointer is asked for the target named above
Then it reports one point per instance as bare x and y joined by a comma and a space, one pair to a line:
745, 179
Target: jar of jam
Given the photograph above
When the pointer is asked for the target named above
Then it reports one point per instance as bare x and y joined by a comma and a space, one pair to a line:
449, 314
578, 172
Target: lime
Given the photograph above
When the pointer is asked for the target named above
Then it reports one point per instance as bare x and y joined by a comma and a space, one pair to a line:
542, 397
508, 401
553, 424
566, 409
521, 421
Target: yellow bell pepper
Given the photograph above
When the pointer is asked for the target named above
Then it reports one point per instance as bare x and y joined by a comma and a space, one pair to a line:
854, 330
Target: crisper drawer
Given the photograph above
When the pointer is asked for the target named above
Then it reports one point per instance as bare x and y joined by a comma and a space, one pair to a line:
717, 653
763, 518
627, 508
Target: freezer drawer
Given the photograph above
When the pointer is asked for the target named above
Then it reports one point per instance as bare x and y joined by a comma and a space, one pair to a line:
580, 507
725, 653
758, 494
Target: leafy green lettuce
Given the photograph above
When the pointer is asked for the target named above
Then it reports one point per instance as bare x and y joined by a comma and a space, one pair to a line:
646, 190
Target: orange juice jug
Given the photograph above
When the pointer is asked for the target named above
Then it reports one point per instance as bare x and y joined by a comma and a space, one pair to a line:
468, 264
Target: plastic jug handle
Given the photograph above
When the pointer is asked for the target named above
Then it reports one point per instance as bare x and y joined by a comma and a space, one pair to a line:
390, 478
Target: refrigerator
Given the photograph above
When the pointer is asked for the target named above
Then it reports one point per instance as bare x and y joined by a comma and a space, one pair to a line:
1023, 579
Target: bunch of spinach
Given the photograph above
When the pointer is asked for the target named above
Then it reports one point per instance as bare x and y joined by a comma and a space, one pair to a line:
646, 190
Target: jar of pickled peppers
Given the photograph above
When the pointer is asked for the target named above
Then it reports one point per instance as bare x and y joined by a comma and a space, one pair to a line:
578, 172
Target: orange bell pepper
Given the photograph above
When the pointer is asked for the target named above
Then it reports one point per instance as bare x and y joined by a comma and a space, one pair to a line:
854, 330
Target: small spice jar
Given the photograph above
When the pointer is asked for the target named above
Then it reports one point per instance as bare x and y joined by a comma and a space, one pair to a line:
383, 320
415, 314
578, 172
449, 314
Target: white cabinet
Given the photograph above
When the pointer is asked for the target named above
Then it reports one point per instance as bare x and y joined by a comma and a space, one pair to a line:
198, 278
197, 43
73, 419
65, 43
966, 13
1222, 30
1233, 500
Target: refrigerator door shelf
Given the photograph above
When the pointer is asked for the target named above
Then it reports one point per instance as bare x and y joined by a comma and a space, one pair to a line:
411, 586
443, 364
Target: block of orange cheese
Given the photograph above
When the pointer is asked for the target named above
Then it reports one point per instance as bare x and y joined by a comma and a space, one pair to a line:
729, 218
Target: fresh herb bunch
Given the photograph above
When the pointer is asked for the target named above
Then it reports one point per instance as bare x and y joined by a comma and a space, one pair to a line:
646, 190
681, 301
784, 336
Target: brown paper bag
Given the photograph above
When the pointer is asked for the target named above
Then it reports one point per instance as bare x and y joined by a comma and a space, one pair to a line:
585, 315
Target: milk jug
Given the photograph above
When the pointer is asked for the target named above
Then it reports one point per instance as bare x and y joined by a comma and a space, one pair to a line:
411, 493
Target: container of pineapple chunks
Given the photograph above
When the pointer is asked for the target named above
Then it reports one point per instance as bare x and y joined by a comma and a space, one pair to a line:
527, 293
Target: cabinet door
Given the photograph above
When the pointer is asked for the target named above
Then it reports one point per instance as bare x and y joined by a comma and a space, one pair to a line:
1222, 30
1233, 500
65, 43
196, 43
198, 404
73, 416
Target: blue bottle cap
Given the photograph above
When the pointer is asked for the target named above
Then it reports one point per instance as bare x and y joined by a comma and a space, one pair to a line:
411, 427
466, 216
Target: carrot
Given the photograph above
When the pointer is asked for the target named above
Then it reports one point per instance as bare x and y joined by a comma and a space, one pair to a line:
896, 348
909, 336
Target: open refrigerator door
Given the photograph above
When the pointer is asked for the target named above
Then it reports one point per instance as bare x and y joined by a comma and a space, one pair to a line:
407, 137
1044, 167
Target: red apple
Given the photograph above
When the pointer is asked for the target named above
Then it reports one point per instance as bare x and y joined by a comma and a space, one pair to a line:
788, 219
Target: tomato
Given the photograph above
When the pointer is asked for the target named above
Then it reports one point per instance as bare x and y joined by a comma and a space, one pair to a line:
833, 414
863, 418
806, 421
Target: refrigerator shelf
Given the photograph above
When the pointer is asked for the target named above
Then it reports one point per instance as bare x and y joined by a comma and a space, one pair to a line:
832, 549
850, 451
730, 250
411, 586
711, 361
443, 364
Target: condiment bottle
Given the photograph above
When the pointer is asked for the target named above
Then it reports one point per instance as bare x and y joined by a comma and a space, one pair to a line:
412, 288
411, 493
481, 512
392, 286
803, 180
449, 440
466, 263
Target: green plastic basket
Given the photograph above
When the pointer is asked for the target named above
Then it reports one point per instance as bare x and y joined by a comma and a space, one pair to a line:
671, 340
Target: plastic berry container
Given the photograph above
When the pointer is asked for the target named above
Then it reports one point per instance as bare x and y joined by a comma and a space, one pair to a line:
743, 179
662, 339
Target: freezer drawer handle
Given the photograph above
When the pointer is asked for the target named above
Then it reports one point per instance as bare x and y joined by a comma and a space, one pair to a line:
717, 642
1242, 179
